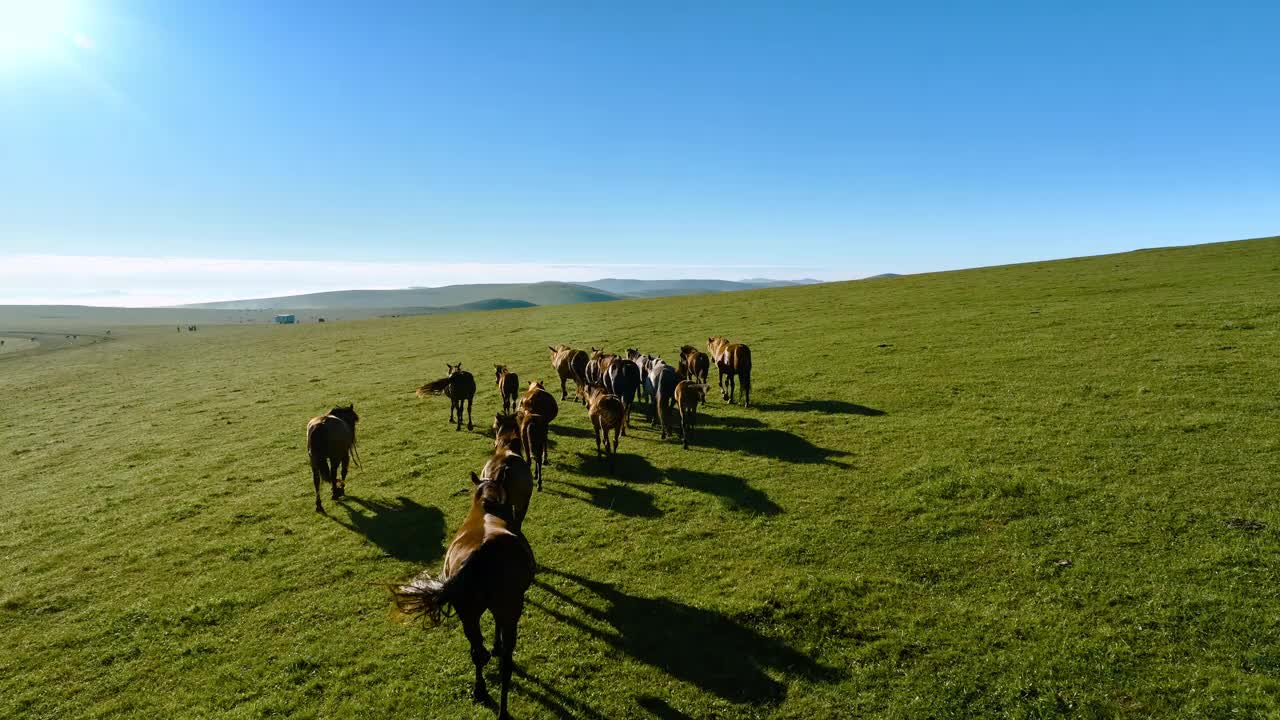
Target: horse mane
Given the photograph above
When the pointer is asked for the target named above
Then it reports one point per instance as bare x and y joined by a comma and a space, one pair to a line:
435, 387
687, 349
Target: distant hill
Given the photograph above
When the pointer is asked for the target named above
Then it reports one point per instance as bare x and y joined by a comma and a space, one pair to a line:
882, 276
451, 296
659, 288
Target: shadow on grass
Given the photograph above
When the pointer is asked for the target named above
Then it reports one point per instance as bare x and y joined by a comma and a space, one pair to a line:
627, 467
731, 421
660, 708
771, 442
404, 530
556, 702
734, 491
702, 647
570, 431
614, 497
829, 407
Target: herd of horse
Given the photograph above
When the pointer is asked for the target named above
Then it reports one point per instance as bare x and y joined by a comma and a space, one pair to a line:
489, 564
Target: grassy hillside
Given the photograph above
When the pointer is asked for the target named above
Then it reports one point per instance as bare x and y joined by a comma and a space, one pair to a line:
1032, 491
543, 293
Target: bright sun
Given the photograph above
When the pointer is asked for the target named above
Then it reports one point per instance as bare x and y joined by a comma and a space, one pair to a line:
31, 29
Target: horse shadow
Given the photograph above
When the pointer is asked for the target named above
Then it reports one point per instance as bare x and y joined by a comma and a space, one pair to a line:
769, 442
627, 467
614, 497
570, 431
660, 708
732, 490
705, 648
827, 407
404, 529
733, 421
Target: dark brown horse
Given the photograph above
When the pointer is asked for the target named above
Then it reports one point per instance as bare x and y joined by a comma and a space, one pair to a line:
607, 413
569, 363
508, 387
697, 363
459, 386
508, 463
488, 566
732, 360
331, 441
622, 378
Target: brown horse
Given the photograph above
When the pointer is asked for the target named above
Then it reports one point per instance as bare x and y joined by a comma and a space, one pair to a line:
459, 386
508, 463
569, 363
508, 387
607, 413
488, 566
688, 395
537, 400
732, 360
697, 363
331, 441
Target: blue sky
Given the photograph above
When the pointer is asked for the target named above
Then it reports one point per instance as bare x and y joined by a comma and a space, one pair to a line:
417, 142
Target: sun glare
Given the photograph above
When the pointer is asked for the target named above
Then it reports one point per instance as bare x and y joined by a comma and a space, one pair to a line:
35, 29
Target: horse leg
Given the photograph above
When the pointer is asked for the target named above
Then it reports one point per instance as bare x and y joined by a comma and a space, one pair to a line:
457, 403
315, 477
595, 425
684, 430
334, 465
479, 656
342, 486
563, 392
469, 425
506, 665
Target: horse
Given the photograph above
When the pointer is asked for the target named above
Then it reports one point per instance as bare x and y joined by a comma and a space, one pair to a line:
508, 462
732, 360
537, 400
664, 380
488, 566
622, 378
533, 438
508, 387
642, 361
459, 386
599, 362
331, 443
688, 395
568, 363
607, 413
698, 364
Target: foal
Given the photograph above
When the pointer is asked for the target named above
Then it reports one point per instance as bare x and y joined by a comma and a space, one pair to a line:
508, 387
688, 395
488, 567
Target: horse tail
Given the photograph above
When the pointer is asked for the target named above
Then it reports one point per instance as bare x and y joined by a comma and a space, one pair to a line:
435, 387
429, 597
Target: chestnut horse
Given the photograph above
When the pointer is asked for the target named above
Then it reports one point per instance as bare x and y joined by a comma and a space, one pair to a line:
537, 400
607, 413
488, 566
331, 441
698, 364
732, 360
508, 387
569, 363
459, 386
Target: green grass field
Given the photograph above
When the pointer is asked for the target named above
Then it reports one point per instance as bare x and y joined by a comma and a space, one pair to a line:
1030, 491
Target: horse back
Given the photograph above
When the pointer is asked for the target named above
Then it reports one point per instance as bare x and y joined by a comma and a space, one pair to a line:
328, 437
740, 357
